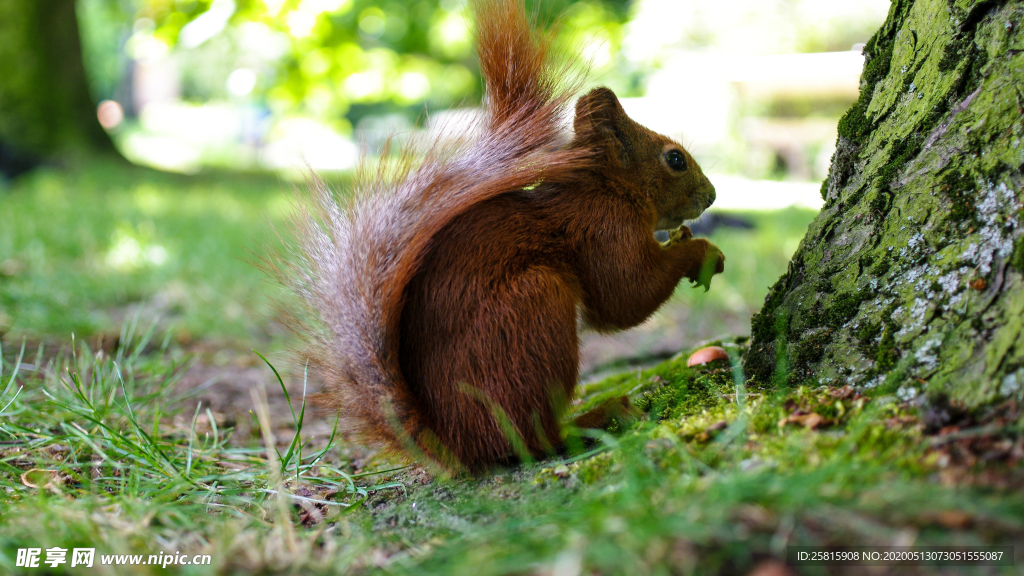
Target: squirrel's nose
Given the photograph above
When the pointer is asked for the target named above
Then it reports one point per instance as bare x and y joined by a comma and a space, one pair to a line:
709, 193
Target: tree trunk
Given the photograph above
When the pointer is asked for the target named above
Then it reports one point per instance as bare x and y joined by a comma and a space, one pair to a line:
912, 276
45, 105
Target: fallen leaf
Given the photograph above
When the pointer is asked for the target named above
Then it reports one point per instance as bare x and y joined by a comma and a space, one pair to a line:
809, 421
954, 519
771, 568
39, 478
720, 425
842, 393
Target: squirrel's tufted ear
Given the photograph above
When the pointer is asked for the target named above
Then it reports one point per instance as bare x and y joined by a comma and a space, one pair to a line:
599, 115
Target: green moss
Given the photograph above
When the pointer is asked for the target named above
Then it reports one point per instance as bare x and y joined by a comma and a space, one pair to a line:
682, 395
760, 363
766, 327
810, 349
854, 125
978, 324
902, 152
844, 307
761, 327
1017, 258
809, 346
877, 66
881, 349
883, 266
955, 51
961, 193
887, 354
814, 316
594, 469
865, 335
962, 46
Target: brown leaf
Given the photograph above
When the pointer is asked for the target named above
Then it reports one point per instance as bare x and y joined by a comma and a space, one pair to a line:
809, 421
812, 420
720, 425
39, 478
953, 519
842, 393
771, 568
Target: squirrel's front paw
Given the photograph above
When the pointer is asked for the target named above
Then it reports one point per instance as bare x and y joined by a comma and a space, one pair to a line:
680, 234
712, 263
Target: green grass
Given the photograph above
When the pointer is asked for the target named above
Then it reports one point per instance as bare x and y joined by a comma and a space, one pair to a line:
83, 251
95, 452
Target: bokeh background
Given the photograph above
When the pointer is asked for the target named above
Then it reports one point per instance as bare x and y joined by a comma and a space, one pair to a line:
216, 108
278, 83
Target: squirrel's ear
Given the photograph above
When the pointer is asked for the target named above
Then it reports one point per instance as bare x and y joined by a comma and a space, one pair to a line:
598, 113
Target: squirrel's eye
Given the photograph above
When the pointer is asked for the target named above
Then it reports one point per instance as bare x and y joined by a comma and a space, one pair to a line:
675, 160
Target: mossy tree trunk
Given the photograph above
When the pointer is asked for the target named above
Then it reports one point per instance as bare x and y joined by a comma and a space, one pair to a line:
912, 276
45, 105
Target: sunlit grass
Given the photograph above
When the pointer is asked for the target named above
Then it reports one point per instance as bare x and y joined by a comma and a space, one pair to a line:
99, 451
82, 251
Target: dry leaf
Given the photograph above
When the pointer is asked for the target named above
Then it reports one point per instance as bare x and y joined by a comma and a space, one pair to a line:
39, 478
809, 421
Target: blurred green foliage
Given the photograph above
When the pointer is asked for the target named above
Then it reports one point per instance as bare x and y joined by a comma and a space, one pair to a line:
335, 60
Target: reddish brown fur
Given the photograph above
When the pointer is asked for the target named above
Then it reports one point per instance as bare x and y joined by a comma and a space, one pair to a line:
449, 296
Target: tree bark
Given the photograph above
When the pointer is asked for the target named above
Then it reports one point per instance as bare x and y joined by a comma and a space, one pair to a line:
45, 105
912, 276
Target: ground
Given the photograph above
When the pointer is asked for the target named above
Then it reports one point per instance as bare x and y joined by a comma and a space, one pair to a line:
156, 428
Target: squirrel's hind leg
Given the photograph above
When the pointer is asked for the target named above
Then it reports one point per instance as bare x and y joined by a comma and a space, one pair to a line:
618, 411
520, 352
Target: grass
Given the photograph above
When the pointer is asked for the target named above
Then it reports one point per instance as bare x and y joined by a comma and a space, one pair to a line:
102, 447
95, 447
83, 251
97, 452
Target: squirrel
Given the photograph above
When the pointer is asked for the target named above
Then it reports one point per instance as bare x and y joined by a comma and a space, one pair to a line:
444, 296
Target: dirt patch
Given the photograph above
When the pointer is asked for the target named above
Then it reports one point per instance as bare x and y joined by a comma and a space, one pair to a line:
226, 385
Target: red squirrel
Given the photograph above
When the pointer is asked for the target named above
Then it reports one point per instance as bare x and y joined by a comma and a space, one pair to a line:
445, 295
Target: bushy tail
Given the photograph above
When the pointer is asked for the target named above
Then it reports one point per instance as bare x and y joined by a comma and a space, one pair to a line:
355, 254
515, 62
